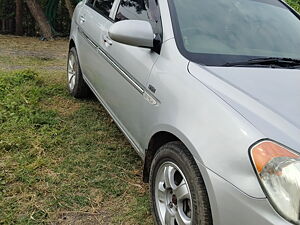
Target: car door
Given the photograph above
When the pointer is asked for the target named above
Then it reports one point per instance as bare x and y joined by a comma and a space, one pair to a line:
124, 88
93, 17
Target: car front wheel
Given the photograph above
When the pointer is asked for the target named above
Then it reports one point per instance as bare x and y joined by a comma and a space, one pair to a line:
177, 190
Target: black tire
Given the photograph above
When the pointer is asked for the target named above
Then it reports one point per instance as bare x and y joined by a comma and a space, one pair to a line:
76, 84
177, 154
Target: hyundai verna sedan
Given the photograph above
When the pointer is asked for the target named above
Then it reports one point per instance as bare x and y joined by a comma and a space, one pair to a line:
208, 94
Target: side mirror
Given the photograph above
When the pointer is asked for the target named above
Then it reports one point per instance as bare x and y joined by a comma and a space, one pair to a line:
132, 32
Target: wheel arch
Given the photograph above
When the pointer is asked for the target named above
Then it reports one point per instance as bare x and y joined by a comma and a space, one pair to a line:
157, 140
71, 43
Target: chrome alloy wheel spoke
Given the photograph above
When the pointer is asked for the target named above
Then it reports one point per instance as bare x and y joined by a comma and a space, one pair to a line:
161, 194
71, 71
169, 218
71, 62
182, 191
71, 76
181, 219
169, 177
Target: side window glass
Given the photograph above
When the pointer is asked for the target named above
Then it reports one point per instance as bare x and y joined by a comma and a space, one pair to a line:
132, 10
103, 6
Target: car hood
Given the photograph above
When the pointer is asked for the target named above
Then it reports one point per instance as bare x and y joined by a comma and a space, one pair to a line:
268, 98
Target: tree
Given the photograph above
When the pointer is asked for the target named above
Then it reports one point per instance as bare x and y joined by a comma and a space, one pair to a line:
70, 7
19, 17
39, 16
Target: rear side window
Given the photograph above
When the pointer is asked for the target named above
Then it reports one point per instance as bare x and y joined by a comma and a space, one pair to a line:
132, 10
103, 6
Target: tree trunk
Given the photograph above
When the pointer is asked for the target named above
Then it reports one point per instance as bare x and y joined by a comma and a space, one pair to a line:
11, 26
19, 17
70, 7
2, 26
39, 16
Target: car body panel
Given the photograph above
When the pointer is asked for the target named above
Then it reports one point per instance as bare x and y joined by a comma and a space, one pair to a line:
268, 98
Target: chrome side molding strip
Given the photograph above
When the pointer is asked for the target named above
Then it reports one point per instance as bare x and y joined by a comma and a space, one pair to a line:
125, 75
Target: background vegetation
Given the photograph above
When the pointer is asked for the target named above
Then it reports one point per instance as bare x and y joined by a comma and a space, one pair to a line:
45, 18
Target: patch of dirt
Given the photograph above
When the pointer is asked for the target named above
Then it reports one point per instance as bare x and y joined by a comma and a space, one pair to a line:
65, 107
33, 47
42, 55
55, 68
82, 218
11, 67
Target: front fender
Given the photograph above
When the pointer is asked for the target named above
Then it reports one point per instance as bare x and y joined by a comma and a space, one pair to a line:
216, 135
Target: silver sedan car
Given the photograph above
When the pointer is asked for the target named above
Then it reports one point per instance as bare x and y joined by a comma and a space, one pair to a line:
208, 94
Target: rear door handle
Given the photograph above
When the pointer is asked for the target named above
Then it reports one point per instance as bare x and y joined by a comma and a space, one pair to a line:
82, 19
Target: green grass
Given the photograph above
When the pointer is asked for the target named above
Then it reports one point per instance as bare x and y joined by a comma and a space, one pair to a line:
295, 4
62, 160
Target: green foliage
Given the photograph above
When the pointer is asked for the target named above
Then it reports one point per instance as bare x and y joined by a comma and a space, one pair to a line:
295, 4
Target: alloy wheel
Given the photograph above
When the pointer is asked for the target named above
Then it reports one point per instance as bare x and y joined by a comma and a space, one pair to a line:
172, 196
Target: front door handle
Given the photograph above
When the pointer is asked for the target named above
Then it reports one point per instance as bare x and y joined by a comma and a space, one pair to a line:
82, 19
107, 40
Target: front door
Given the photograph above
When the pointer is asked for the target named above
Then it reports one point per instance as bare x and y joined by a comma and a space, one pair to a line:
124, 86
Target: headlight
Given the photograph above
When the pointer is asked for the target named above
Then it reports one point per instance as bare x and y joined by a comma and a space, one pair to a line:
278, 169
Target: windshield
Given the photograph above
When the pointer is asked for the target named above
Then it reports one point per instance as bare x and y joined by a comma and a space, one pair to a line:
215, 32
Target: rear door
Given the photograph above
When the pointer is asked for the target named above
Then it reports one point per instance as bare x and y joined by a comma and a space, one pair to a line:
92, 23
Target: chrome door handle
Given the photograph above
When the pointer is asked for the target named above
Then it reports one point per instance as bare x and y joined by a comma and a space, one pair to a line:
82, 19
